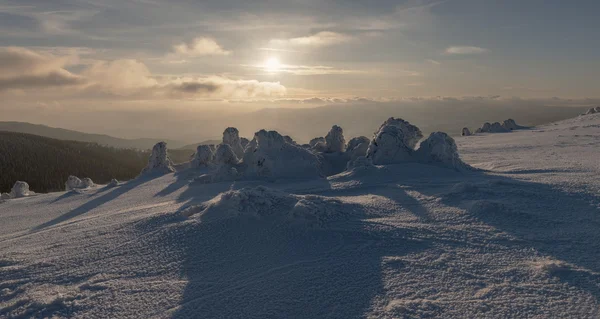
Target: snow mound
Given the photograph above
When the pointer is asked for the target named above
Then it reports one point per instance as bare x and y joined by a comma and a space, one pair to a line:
270, 156
159, 160
334, 140
496, 127
231, 136
203, 157
466, 132
268, 204
113, 183
510, 124
411, 134
389, 146
485, 128
4, 196
439, 148
73, 182
20, 189
361, 162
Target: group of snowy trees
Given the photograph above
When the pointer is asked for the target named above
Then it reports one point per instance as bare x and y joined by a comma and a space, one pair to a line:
270, 155
496, 127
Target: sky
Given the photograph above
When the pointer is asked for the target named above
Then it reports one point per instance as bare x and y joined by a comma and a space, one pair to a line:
65, 60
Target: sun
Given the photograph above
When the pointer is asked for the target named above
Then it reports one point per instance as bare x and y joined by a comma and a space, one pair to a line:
272, 64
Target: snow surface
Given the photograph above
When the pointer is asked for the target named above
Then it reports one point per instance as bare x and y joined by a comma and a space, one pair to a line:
517, 238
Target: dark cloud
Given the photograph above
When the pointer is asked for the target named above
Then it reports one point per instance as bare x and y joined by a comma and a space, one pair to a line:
48, 80
195, 87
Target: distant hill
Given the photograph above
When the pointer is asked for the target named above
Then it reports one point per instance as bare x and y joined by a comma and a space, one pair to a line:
64, 134
46, 163
193, 147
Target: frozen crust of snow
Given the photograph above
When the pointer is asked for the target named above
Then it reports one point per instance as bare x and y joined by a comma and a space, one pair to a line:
334, 140
270, 156
231, 136
159, 161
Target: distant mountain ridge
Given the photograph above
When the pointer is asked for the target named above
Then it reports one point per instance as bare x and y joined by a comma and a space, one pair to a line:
70, 135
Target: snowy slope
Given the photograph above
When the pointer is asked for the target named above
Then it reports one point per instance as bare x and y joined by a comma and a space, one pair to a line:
517, 239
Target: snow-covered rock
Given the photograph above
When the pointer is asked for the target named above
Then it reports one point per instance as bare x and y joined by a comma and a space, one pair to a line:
159, 161
20, 189
270, 156
231, 136
389, 146
334, 140
466, 132
225, 155
440, 149
411, 134
203, 157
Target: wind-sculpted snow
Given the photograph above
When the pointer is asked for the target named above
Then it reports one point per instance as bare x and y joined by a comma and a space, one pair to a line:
203, 157
270, 156
19, 189
334, 140
159, 161
264, 203
73, 182
517, 238
231, 136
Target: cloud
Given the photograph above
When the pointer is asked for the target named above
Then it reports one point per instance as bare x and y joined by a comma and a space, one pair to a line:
323, 38
220, 87
465, 50
21, 68
200, 47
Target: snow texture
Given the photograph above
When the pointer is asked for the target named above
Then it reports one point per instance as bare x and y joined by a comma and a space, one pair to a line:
334, 140
270, 156
203, 157
440, 149
231, 136
517, 238
159, 161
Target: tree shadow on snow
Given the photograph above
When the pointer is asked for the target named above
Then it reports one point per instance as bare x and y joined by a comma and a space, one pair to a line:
97, 201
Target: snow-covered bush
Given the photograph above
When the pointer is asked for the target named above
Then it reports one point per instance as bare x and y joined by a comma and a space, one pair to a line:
203, 157
466, 131
510, 125
159, 161
485, 128
496, 127
288, 139
4, 196
225, 155
231, 136
439, 148
73, 182
334, 140
357, 146
244, 141
411, 133
359, 162
20, 189
113, 183
269, 155
389, 146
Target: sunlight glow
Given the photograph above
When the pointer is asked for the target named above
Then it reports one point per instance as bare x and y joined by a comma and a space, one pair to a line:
272, 64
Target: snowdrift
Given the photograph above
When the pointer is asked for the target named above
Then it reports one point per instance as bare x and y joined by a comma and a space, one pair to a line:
268, 204
73, 182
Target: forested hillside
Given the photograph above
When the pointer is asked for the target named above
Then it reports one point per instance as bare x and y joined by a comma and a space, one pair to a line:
46, 163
